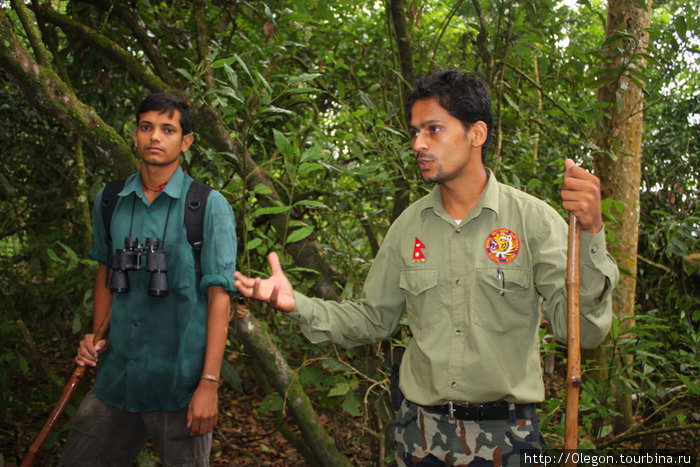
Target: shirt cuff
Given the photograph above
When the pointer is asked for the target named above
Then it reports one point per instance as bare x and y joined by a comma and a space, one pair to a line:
595, 257
593, 248
302, 311
220, 280
95, 255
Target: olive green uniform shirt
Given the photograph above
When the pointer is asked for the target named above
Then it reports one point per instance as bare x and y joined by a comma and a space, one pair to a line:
473, 293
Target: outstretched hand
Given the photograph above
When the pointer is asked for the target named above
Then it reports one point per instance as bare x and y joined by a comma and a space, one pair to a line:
276, 290
580, 194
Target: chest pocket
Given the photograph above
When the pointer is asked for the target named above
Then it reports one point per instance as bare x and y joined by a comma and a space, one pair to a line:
421, 292
505, 299
180, 265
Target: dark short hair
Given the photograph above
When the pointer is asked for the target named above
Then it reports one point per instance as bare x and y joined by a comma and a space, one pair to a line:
165, 102
465, 96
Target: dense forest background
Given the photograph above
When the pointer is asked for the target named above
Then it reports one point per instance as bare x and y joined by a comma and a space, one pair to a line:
300, 123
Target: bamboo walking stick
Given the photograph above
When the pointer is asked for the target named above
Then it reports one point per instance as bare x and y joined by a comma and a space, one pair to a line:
68, 390
573, 373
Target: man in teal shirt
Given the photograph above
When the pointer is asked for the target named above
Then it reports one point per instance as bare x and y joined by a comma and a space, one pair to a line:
472, 263
159, 371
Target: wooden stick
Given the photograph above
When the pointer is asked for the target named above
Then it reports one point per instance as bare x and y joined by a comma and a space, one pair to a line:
68, 390
573, 373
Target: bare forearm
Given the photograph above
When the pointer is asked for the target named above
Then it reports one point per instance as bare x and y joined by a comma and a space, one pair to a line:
103, 298
218, 314
202, 412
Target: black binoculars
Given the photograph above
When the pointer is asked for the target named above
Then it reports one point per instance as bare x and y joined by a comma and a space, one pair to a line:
129, 259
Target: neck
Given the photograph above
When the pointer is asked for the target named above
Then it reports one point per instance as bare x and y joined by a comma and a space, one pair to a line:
154, 178
459, 196
155, 175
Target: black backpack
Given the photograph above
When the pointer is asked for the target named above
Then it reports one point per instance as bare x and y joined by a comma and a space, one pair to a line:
195, 205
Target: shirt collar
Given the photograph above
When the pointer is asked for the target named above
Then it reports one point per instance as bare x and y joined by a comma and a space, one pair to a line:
489, 199
173, 188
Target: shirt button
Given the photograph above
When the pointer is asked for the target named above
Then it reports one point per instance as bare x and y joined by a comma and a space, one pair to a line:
458, 282
458, 332
453, 384
594, 250
458, 230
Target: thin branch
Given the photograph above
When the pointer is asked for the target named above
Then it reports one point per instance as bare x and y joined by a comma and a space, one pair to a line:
127, 16
111, 49
201, 35
443, 28
655, 431
550, 99
42, 55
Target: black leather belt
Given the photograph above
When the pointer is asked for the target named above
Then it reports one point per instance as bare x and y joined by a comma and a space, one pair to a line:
500, 410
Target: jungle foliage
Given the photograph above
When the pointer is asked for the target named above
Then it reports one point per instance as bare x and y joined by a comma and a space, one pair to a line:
300, 123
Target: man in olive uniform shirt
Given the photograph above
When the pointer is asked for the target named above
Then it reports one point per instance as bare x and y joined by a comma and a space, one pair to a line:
471, 263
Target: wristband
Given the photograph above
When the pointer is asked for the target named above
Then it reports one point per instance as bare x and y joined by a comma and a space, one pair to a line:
212, 378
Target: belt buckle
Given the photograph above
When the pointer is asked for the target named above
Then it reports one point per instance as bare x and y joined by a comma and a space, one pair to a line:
450, 409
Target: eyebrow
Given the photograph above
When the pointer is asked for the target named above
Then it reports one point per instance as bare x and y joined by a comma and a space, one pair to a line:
141, 122
425, 124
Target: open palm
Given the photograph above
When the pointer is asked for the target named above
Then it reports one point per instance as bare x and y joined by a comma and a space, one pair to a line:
276, 290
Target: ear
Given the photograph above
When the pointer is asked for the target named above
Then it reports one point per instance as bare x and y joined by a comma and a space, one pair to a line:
479, 132
133, 136
187, 141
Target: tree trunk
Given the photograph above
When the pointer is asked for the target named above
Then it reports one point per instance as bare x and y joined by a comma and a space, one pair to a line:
396, 11
619, 135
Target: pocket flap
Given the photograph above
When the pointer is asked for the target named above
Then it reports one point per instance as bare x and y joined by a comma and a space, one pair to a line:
417, 281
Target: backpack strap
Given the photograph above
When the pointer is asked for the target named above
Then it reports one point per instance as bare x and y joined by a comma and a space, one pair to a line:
195, 206
110, 197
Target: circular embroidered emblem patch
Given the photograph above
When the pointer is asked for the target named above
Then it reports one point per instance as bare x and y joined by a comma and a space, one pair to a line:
502, 245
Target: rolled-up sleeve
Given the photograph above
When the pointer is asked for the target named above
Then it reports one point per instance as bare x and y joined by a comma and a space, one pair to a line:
219, 249
599, 275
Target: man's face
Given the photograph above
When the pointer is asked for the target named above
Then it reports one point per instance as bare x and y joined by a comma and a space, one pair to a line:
158, 138
443, 148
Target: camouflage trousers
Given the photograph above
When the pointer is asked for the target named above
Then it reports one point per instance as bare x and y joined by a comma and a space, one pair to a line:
424, 438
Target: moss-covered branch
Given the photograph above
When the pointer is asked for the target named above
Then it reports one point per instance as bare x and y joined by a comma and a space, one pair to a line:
42, 87
124, 12
111, 49
259, 345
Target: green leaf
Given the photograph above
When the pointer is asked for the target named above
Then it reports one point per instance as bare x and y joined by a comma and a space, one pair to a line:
53, 256
231, 376
690, 384
243, 65
335, 365
303, 78
352, 404
222, 62
283, 145
252, 244
306, 168
277, 110
270, 210
340, 389
311, 203
615, 328
262, 189
299, 234
311, 376
271, 403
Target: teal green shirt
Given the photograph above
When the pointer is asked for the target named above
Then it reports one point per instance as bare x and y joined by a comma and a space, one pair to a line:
157, 344
473, 292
